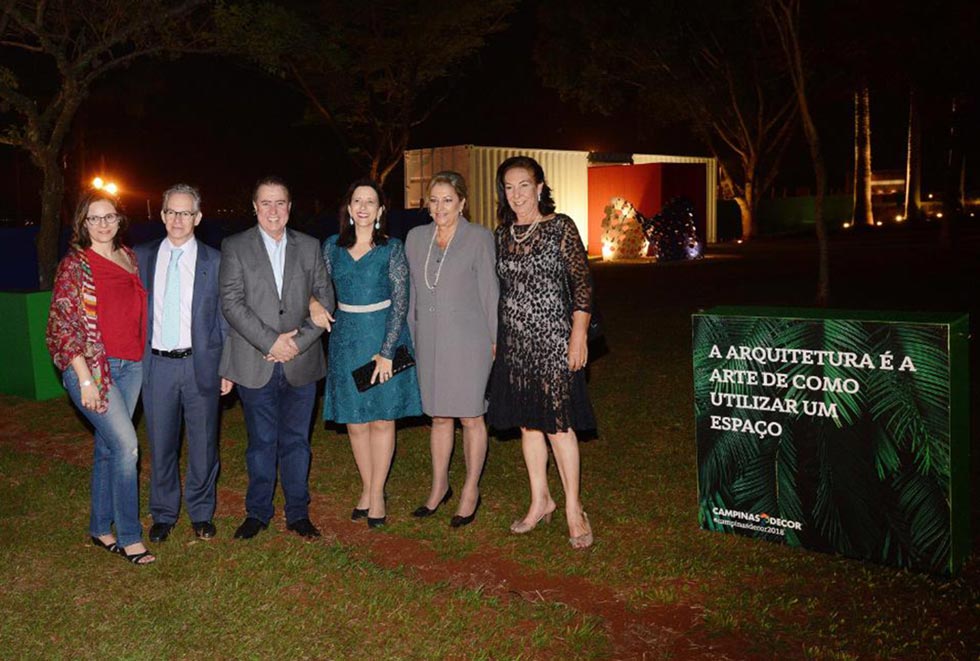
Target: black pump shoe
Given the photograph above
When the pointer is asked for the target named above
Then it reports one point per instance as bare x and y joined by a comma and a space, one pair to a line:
459, 521
358, 514
377, 523
423, 511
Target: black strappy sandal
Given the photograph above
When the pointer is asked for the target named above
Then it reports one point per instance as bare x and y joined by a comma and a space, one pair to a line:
136, 557
111, 547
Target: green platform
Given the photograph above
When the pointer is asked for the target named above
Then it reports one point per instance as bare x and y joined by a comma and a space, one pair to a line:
27, 368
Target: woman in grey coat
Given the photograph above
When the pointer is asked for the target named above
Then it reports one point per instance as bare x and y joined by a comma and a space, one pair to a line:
452, 316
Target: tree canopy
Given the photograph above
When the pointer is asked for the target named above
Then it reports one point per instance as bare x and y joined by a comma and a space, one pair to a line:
371, 71
711, 63
52, 53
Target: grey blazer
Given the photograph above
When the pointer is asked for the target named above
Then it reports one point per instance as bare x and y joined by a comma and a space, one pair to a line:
454, 325
257, 316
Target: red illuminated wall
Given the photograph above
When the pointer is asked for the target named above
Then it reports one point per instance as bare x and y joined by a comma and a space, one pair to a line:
640, 184
648, 187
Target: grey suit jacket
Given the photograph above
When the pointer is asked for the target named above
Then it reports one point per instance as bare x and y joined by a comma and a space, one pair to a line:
454, 325
257, 315
208, 327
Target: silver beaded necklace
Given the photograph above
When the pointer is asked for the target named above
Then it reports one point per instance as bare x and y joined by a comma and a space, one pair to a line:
527, 234
428, 256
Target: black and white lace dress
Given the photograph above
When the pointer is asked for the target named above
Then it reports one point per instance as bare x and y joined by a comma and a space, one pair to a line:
544, 278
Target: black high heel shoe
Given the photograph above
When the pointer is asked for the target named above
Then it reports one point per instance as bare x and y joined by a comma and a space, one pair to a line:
423, 511
358, 514
459, 521
377, 523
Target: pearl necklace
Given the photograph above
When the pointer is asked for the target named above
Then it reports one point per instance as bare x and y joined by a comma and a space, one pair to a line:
530, 230
428, 255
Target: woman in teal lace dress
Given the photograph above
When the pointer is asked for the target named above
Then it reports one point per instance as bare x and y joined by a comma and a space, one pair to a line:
370, 277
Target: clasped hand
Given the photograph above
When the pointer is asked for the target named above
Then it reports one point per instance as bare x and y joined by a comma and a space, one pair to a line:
284, 349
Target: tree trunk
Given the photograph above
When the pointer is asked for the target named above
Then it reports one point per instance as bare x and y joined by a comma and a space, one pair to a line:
913, 160
52, 195
953, 190
786, 16
747, 204
748, 218
863, 212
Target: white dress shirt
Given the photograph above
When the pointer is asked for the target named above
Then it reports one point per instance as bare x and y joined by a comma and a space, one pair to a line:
186, 265
277, 256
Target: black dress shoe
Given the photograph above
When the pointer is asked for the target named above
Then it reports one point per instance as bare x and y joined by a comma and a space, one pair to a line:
250, 528
303, 528
358, 514
160, 531
204, 529
377, 523
423, 510
459, 521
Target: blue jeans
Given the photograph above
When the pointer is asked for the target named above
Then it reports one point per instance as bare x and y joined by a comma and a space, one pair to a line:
115, 490
278, 417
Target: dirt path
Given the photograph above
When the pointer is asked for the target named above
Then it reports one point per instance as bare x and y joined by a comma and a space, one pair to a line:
673, 631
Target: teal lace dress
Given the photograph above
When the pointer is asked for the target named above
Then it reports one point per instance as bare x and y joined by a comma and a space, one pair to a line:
379, 275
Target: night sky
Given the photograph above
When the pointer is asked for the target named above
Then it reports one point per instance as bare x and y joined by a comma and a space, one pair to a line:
221, 125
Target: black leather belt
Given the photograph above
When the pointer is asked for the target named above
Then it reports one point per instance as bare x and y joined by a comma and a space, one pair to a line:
176, 353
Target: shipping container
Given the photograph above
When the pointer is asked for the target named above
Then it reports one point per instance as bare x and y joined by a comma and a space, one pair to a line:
566, 172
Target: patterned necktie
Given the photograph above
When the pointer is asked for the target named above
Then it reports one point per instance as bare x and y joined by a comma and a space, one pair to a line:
171, 302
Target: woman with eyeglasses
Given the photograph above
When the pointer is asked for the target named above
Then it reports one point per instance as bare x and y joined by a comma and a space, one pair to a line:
96, 333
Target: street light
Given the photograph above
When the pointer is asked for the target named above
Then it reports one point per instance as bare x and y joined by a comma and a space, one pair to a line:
110, 187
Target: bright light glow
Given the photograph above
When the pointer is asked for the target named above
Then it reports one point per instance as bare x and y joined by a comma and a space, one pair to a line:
847, 225
98, 183
111, 188
930, 196
739, 241
899, 218
607, 251
939, 215
878, 224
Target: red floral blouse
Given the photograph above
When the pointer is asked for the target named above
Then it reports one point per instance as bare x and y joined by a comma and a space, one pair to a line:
73, 327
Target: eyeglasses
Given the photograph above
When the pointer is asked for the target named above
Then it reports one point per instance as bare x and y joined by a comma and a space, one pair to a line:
170, 214
108, 219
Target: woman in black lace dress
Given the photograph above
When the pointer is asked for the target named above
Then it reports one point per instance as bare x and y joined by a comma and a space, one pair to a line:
537, 382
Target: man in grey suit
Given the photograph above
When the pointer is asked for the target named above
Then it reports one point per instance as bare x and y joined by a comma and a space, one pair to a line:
273, 353
185, 335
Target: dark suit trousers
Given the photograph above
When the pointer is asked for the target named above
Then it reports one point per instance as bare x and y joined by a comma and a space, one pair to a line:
278, 417
171, 391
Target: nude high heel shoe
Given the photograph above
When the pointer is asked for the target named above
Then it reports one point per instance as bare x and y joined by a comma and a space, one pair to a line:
584, 540
520, 526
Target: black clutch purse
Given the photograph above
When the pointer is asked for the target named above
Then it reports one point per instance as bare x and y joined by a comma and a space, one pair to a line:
401, 362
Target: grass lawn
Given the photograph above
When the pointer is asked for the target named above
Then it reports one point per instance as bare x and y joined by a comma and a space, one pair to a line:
654, 585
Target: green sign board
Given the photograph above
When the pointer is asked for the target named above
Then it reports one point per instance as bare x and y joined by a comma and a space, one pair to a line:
837, 431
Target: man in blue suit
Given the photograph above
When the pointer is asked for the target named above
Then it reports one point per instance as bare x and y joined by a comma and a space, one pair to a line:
185, 336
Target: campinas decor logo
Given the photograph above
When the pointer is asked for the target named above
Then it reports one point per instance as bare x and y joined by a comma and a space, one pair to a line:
775, 524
